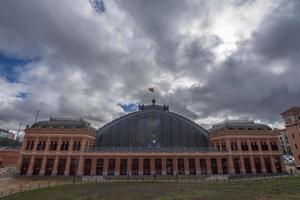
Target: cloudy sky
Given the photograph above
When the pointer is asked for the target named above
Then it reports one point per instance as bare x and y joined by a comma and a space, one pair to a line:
209, 60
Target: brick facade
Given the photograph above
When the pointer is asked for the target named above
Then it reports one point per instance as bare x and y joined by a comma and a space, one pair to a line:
65, 151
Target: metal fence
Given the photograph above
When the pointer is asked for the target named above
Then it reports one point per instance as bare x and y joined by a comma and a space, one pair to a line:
35, 185
154, 149
118, 179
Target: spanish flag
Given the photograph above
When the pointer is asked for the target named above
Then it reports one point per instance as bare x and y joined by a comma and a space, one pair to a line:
151, 90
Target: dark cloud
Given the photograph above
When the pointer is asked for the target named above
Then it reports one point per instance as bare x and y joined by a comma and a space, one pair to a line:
87, 62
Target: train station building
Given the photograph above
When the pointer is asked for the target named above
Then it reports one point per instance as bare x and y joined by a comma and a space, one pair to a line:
150, 141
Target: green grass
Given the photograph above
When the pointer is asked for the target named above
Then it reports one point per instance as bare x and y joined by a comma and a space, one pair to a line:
279, 188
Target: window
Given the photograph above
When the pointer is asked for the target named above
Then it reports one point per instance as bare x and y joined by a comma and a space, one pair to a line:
74, 146
223, 146
44, 145
28, 145
31, 145
39, 146
296, 146
274, 146
53, 146
203, 166
293, 135
254, 146
64, 146
244, 146
192, 166
264, 146
214, 166
234, 146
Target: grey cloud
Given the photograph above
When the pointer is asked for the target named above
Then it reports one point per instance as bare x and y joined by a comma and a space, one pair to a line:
91, 63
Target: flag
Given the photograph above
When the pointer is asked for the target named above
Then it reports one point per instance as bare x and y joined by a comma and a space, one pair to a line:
151, 90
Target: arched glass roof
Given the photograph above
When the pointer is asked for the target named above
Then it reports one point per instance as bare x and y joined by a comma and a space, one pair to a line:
152, 126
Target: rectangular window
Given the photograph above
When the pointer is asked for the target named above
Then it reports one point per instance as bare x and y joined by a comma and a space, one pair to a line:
274, 146
203, 166
236, 162
31, 145
39, 146
247, 165
73, 167
43, 145
74, 146
158, 167
123, 167
49, 166
111, 167
146, 169
264, 146
61, 166
214, 166
169, 166
180, 166
87, 167
135, 167
25, 166
37, 166
257, 165
192, 166
224, 165
28, 145
99, 167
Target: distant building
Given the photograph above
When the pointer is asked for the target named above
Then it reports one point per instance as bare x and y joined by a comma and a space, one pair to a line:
291, 119
283, 139
7, 134
151, 141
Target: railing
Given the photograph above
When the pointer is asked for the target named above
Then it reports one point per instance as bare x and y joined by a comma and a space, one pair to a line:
10, 147
35, 185
154, 149
165, 178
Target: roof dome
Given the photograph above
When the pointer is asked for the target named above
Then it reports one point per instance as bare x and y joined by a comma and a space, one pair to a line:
152, 126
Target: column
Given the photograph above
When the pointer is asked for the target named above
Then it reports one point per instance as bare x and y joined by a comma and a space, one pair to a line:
47, 144
67, 168
152, 166
117, 167
230, 165
24, 144
31, 165
263, 166
228, 145
71, 145
35, 144
243, 170
186, 166
253, 169
43, 166
197, 165
164, 167
105, 166
19, 165
175, 167
208, 166
58, 144
219, 165
273, 165
55, 166
80, 166
141, 166
94, 165
129, 166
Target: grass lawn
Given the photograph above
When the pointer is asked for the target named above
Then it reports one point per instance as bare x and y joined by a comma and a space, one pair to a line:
278, 188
